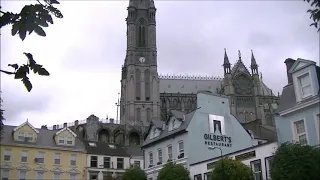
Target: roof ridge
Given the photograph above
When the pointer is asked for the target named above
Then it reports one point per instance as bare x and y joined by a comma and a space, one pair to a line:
189, 77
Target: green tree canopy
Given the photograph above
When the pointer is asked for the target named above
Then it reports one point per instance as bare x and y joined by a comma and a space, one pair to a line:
172, 171
314, 13
134, 173
231, 170
295, 161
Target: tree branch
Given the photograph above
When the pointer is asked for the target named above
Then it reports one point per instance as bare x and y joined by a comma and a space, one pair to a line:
7, 72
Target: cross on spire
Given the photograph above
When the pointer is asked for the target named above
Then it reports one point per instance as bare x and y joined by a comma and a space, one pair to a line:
239, 54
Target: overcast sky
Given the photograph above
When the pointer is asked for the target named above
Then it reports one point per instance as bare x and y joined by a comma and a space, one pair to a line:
84, 51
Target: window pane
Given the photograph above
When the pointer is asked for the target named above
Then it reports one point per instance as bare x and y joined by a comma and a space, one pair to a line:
56, 176
300, 127
22, 175
39, 175
73, 176
303, 139
180, 147
306, 90
5, 174
304, 80
73, 161
7, 155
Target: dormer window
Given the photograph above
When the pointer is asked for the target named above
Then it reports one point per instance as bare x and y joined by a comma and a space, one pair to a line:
24, 136
305, 85
61, 140
69, 140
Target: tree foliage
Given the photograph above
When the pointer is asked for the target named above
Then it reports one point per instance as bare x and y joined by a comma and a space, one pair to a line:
295, 161
172, 171
32, 18
134, 173
314, 13
231, 170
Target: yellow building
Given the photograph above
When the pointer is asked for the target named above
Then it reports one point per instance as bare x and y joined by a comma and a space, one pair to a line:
31, 153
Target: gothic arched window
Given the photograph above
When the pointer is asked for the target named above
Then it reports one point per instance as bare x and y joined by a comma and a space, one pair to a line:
138, 84
142, 33
147, 84
148, 115
138, 115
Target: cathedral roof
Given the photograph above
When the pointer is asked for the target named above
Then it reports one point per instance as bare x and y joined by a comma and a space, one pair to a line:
188, 85
239, 67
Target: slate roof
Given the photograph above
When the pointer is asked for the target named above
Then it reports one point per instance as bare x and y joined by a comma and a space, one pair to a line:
45, 139
134, 151
165, 133
103, 148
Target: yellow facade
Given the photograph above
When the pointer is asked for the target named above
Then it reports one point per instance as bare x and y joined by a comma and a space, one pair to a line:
35, 158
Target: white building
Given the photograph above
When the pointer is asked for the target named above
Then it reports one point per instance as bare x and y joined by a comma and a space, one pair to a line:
185, 138
258, 158
107, 161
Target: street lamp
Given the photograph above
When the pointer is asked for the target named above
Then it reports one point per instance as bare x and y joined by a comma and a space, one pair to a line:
222, 165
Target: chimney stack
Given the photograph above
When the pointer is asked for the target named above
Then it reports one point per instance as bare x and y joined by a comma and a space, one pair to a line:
54, 127
289, 62
111, 120
44, 127
76, 123
65, 125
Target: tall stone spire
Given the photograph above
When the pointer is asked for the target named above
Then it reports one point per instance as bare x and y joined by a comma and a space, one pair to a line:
254, 65
226, 63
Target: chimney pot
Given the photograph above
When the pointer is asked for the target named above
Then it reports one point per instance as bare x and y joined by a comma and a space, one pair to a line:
289, 62
65, 125
54, 127
111, 120
44, 127
76, 123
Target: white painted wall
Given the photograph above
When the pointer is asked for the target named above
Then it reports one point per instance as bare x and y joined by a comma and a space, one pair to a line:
262, 151
137, 158
126, 164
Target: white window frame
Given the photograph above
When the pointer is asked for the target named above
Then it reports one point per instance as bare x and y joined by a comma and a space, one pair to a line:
24, 174
168, 157
72, 176
41, 157
317, 124
57, 156
7, 152
252, 163
56, 176
69, 139
180, 150
150, 158
295, 135
3, 174
308, 76
73, 158
24, 154
268, 167
21, 134
61, 138
160, 155
39, 175
296, 82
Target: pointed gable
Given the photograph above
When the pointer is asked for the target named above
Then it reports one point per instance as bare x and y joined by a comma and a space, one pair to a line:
66, 129
238, 68
26, 124
299, 64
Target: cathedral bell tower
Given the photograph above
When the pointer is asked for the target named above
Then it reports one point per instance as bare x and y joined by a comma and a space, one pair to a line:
140, 99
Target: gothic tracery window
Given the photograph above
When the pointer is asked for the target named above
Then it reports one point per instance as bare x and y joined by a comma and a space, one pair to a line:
147, 84
138, 84
138, 115
142, 33
148, 115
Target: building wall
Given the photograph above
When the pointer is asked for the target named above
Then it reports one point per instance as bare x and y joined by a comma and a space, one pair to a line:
137, 158
199, 125
31, 166
285, 128
100, 170
163, 145
262, 154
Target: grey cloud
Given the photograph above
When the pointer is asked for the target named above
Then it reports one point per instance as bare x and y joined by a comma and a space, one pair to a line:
16, 102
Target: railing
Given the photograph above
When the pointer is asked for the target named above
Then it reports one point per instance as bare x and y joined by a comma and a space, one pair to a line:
70, 124
190, 77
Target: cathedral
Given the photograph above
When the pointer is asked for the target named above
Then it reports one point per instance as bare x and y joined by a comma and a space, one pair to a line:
147, 96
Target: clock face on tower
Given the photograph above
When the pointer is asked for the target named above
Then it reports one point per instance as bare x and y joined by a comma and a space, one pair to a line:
142, 59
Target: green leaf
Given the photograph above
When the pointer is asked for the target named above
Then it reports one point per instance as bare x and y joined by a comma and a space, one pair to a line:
39, 31
32, 62
6, 19
27, 83
15, 66
22, 72
15, 29
43, 72
43, 23
22, 33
